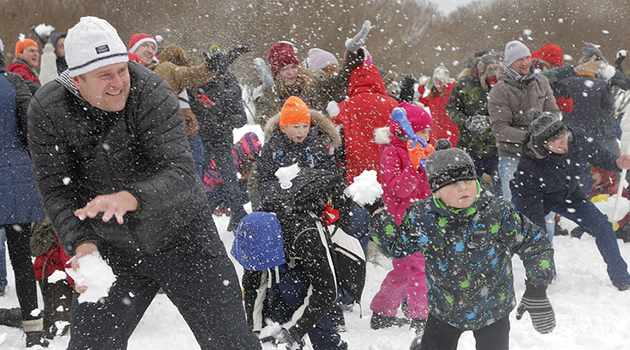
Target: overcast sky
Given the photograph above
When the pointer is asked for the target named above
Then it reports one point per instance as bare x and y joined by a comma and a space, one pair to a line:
447, 6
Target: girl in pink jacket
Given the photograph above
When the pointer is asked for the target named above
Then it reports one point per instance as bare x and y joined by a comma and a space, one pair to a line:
402, 186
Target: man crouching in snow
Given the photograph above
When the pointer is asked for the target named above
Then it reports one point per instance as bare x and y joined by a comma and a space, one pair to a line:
108, 141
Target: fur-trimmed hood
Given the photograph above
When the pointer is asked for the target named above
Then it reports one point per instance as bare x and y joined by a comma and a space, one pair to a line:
330, 133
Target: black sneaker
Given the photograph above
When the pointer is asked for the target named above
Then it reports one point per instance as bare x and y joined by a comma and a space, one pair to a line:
624, 288
36, 339
379, 321
11, 317
418, 325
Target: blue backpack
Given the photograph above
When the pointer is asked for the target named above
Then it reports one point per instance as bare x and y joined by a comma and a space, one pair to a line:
258, 243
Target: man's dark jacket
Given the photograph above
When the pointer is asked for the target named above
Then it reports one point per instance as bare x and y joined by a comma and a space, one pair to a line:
544, 179
80, 152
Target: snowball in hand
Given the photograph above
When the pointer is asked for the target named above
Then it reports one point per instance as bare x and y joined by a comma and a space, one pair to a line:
95, 274
287, 173
365, 189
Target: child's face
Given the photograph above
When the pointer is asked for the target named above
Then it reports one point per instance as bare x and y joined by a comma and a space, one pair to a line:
296, 132
597, 177
460, 194
424, 134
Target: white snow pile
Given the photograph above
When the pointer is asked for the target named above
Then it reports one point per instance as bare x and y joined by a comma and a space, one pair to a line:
44, 30
365, 189
286, 174
607, 207
57, 276
95, 274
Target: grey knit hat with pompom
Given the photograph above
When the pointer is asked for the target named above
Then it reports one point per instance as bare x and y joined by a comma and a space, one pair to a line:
447, 165
544, 126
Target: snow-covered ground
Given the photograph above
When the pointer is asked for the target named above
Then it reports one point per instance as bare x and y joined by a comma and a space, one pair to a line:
590, 312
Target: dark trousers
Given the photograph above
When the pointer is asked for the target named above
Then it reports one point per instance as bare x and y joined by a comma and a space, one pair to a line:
18, 242
490, 166
584, 213
196, 275
222, 155
442, 336
288, 295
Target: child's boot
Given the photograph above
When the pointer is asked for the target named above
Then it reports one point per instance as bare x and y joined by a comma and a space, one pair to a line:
11, 317
379, 321
34, 330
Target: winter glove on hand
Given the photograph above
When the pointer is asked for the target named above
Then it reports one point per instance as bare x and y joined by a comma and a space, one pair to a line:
285, 337
406, 88
477, 123
240, 49
620, 56
372, 207
265, 73
354, 44
216, 60
535, 301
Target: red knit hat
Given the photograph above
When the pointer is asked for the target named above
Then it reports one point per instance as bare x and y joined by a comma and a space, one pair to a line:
549, 53
23, 44
294, 111
138, 39
281, 54
417, 116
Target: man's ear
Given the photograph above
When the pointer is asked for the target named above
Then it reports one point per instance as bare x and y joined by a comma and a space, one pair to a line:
77, 82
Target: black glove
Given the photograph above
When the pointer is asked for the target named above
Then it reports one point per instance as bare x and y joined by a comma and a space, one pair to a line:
240, 49
42, 38
477, 123
620, 56
372, 207
285, 337
535, 302
406, 88
217, 60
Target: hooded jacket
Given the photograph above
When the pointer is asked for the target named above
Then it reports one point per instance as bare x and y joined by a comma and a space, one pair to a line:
80, 152
279, 151
367, 108
544, 179
468, 256
402, 184
443, 126
509, 102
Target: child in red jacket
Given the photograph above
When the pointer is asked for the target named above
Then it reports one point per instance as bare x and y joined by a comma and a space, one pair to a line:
607, 183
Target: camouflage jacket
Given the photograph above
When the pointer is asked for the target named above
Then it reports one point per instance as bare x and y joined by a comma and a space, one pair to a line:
468, 256
467, 99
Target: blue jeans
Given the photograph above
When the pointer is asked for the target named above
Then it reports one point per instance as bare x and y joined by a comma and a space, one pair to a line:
196, 146
3, 259
288, 295
584, 213
507, 168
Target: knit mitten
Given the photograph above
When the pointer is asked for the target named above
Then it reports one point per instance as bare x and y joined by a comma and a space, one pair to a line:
535, 302
265, 73
354, 44
477, 123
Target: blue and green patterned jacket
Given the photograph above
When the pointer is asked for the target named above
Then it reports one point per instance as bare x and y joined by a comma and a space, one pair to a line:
468, 255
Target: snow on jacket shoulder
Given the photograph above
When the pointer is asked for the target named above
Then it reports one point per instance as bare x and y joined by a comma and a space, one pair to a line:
468, 256
80, 152
367, 109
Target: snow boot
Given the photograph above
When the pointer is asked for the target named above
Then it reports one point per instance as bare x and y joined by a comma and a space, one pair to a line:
57, 304
11, 317
379, 321
34, 330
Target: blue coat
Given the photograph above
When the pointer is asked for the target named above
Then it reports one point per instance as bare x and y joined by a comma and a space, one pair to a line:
19, 200
543, 179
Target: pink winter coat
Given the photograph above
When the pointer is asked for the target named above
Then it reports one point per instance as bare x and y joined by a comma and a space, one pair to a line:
402, 184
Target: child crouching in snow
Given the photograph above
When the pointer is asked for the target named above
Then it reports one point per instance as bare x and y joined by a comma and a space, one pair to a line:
605, 184
468, 237
403, 185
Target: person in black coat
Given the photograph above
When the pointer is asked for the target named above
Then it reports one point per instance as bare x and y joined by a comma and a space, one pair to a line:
114, 168
216, 130
548, 178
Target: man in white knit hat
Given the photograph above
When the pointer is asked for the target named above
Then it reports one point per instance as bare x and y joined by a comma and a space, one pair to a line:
114, 168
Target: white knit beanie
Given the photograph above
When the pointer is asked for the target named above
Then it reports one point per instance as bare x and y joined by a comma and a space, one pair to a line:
514, 51
91, 44
320, 59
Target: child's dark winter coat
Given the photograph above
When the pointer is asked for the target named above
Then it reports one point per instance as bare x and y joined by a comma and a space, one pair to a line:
468, 256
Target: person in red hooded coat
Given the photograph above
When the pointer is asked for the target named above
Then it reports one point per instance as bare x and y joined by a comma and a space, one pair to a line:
367, 108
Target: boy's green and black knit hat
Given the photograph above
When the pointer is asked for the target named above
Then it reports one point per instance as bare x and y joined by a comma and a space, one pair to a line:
447, 165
